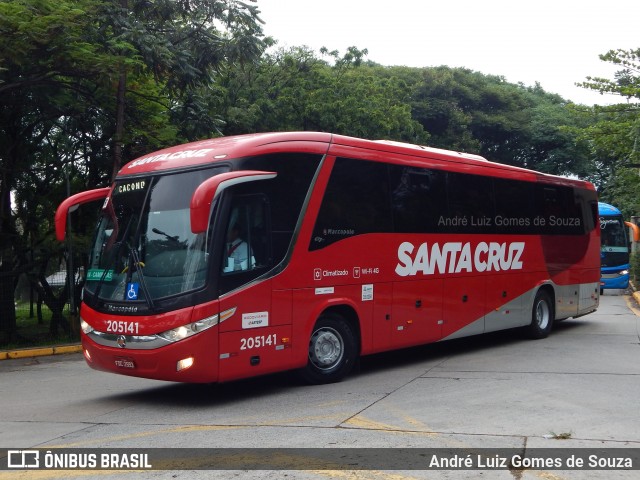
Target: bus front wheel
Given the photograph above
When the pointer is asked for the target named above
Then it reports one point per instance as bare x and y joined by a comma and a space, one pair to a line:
332, 351
542, 316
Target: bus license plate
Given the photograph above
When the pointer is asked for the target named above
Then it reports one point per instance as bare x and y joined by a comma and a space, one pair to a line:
124, 362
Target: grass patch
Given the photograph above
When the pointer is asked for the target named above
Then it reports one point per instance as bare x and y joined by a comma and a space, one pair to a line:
30, 333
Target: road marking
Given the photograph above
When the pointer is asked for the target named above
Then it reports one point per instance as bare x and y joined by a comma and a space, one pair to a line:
361, 474
363, 422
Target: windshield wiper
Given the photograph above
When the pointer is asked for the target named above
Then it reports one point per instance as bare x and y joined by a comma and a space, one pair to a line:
139, 266
169, 237
117, 248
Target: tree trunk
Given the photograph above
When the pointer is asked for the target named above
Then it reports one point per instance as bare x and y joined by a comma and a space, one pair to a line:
119, 133
7, 263
120, 106
55, 304
7, 305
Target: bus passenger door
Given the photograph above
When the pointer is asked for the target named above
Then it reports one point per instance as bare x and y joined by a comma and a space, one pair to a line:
255, 321
416, 316
254, 331
464, 306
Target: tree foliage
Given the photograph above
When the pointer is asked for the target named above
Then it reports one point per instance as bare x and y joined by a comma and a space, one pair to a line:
296, 89
613, 132
86, 85
48, 72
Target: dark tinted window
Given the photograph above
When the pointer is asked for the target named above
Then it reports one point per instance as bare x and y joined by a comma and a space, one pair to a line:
560, 210
367, 197
356, 202
418, 198
514, 207
471, 198
286, 193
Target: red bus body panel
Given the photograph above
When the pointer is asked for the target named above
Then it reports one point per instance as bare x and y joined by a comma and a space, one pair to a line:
484, 282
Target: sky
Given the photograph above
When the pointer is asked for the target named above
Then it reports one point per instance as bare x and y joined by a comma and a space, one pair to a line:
555, 43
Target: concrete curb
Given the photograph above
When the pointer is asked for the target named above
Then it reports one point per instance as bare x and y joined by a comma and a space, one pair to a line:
634, 291
39, 352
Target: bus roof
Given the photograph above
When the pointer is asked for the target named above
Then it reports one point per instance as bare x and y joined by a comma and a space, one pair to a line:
606, 209
440, 151
226, 148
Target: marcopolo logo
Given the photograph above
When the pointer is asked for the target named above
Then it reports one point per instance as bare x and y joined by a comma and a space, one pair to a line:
457, 257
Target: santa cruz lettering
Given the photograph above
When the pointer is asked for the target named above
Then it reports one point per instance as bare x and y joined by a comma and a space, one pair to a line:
171, 156
457, 257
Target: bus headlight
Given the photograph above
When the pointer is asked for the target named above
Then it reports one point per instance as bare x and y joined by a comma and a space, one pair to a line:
86, 328
623, 272
186, 331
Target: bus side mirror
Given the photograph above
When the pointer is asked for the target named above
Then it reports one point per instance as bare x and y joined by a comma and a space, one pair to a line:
635, 229
207, 191
72, 203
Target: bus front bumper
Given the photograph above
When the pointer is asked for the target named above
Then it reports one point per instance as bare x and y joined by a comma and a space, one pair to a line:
192, 360
615, 279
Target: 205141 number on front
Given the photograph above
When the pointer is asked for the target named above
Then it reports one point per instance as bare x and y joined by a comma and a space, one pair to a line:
122, 327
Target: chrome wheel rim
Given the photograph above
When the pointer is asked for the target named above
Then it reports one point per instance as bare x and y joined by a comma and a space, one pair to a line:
542, 314
326, 348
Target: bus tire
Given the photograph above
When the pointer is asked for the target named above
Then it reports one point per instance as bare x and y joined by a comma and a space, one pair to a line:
332, 351
542, 316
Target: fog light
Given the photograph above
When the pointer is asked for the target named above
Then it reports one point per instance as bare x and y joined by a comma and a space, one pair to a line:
87, 355
184, 364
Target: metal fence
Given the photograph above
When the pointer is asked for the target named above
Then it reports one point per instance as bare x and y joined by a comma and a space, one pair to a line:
28, 303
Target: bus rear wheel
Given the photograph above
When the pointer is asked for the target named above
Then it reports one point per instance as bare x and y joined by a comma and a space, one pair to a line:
332, 351
542, 316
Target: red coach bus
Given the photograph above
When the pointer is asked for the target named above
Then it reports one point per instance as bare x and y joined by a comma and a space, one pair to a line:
241, 256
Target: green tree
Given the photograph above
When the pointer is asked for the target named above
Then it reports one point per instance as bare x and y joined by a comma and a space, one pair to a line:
439, 103
182, 45
452, 108
507, 123
88, 84
614, 132
47, 71
296, 89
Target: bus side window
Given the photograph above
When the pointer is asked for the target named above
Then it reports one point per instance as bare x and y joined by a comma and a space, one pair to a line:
247, 245
561, 209
515, 210
470, 197
356, 202
419, 199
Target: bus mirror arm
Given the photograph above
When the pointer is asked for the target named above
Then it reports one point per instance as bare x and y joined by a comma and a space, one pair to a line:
635, 229
208, 190
72, 203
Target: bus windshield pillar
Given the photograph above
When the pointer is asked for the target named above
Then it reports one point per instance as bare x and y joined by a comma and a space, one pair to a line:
205, 193
71, 203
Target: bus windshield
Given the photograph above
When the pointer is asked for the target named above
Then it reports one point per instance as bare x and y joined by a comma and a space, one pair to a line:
615, 249
144, 248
